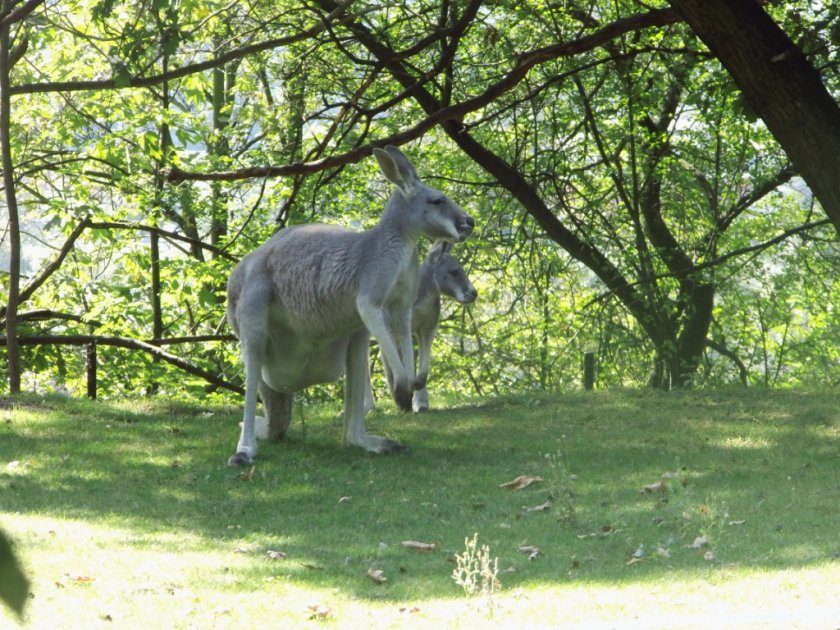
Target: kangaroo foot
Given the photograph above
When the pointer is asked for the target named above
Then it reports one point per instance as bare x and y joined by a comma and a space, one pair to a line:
240, 459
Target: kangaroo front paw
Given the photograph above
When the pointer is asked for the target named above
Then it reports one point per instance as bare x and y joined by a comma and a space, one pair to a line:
420, 381
241, 459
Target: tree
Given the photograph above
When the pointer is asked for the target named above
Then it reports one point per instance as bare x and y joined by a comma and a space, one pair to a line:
779, 83
12, 48
603, 145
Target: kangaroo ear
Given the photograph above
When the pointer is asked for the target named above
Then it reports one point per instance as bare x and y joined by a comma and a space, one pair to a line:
438, 250
397, 169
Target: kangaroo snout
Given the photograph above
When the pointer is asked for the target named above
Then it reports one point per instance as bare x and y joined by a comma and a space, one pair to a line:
469, 296
465, 228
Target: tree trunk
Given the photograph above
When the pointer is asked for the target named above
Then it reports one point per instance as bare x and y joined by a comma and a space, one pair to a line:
12, 348
781, 86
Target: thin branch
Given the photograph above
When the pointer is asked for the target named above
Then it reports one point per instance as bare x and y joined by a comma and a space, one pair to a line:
455, 112
115, 83
723, 258
107, 225
33, 286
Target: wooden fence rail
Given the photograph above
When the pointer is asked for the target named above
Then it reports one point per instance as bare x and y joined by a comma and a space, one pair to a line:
92, 341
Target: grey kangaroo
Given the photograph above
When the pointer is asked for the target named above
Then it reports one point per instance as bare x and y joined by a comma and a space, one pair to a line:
305, 303
440, 274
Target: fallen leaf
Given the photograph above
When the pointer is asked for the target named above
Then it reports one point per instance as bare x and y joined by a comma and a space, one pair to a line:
530, 550
319, 611
736, 523
662, 552
709, 555
520, 482
313, 567
276, 555
77, 579
651, 488
377, 575
537, 508
247, 475
634, 560
419, 546
345, 499
639, 553
699, 542
413, 609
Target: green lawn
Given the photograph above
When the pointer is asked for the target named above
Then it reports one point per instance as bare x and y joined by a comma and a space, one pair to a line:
125, 515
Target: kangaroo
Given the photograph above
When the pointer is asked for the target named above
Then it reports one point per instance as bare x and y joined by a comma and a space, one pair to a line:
439, 274
305, 303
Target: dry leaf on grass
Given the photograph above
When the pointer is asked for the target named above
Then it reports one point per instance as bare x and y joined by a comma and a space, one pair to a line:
276, 555
637, 556
651, 488
418, 546
319, 611
74, 579
377, 575
530, 550
247, 475
537, 508
699, 542
522, 481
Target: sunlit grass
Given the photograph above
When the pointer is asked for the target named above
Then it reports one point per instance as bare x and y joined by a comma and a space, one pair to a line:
125, 515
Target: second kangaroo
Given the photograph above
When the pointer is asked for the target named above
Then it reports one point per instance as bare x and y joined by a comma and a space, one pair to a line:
440, 274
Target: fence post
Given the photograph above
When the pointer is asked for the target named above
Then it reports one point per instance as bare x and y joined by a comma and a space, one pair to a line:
91, 370
588, 371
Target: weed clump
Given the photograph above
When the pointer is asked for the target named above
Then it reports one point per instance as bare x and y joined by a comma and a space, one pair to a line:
476, 572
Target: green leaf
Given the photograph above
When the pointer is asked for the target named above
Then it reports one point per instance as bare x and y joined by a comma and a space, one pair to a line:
14, 587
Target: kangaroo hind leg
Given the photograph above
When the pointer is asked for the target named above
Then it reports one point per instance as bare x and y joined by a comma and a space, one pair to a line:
278, 411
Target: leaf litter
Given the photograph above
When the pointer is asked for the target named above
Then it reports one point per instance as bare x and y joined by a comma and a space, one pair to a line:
521, 482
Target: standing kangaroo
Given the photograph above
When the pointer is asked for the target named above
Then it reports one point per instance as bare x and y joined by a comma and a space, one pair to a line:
439, 274
305, 303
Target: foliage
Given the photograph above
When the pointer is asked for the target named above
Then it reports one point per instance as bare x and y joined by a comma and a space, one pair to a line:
622, 196
14, 587
125, 514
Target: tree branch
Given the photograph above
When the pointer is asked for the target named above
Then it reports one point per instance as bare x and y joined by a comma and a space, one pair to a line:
115, 83
455, 112
130, 344
107, 225
21, 13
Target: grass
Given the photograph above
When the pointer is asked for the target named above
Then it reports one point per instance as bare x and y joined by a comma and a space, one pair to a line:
125, 515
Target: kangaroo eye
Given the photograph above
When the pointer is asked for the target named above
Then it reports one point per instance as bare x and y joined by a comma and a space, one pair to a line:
436, 201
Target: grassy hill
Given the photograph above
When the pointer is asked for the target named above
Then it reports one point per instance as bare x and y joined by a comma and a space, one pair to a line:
646, 509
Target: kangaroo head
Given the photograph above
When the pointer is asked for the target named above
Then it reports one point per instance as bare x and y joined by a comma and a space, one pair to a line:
449, 275
430, 211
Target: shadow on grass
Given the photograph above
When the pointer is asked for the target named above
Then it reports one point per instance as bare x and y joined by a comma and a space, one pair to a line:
635, 486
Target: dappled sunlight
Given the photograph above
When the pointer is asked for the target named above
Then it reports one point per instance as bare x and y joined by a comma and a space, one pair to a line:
744, 442
632, 498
